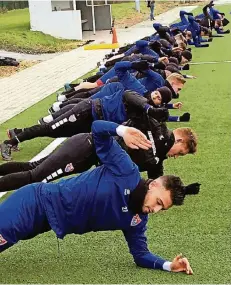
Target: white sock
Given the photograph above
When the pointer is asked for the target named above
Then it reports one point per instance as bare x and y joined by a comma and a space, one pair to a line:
56, 106
48, 119
62, 98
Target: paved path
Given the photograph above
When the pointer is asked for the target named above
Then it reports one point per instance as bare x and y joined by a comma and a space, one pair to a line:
28, 87
25, 56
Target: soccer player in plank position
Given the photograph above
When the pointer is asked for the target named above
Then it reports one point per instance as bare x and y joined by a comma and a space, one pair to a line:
110, 197
78, 154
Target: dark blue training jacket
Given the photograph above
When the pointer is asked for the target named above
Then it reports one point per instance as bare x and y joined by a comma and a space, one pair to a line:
183, 22
142, 47
97, 200
150, 82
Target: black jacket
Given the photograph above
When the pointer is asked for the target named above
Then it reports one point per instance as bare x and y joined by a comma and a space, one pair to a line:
151, 160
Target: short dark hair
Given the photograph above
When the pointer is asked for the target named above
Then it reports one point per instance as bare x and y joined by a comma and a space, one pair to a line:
176, 187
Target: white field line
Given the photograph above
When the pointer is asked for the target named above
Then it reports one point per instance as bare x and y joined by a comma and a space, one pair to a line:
210, 62
51, 147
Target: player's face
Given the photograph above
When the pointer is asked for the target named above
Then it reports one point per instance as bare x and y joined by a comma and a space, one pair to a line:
177, 86
178, 149
184, 60
157, 198
156, 98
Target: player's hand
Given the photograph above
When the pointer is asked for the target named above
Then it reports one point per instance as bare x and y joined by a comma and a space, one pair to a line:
181, 264
136, 139
163, 59
177, 105
191, 77
177, 49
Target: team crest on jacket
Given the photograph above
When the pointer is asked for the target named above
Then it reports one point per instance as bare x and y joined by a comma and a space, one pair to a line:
136, 220
69, 167
2, 240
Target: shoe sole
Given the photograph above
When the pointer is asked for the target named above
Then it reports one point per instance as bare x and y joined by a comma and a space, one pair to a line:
4, 158
14, 148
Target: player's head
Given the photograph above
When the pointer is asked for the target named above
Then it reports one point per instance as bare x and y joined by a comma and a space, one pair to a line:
206, 32
163, 193
188, 35
186, 56
218, 23
160, 96
185, 142
177, 81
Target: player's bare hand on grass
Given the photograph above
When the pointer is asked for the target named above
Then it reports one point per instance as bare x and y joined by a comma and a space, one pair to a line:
136, 139
181, 264
177, 105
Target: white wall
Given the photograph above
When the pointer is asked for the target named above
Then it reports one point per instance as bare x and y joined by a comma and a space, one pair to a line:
61, 24
62, 5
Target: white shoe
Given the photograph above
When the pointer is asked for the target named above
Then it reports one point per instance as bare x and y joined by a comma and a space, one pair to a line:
61, 98
56, 106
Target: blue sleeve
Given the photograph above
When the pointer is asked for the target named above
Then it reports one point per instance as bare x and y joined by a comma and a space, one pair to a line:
108, 90
173, 119
137, 243
152, 80
156, 26
196, 40
143, 48
109, 151
127, 79
131, 50
183, 18
190, 42
219, 32
170, 106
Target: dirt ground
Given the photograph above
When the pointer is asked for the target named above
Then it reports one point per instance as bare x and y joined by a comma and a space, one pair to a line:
6, 71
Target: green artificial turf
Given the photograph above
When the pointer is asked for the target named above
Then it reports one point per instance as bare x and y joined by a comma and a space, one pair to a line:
200, 229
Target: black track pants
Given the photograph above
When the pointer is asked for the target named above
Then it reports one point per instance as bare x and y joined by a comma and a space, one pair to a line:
77, 120
76, 155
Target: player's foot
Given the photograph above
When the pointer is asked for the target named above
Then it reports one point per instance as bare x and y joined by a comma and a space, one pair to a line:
185, 117
67, 86
6, 151
11, 135
61, 98
51, 111
41, 122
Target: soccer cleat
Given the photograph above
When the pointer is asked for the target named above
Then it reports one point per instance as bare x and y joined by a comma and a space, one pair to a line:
185, 117
41, 122
11, 135
51, 111
61, 98
67, 86
6, 151
56, 106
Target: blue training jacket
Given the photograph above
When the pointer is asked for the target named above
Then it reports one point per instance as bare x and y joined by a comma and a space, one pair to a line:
97, 200
150, 82
142, 47
183, 22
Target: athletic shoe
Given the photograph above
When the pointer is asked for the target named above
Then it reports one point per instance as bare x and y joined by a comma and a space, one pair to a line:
6, 151
61, 98
57, 94
51, 111
185, 117
56, 106
11, 135
67, 86
41, 122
